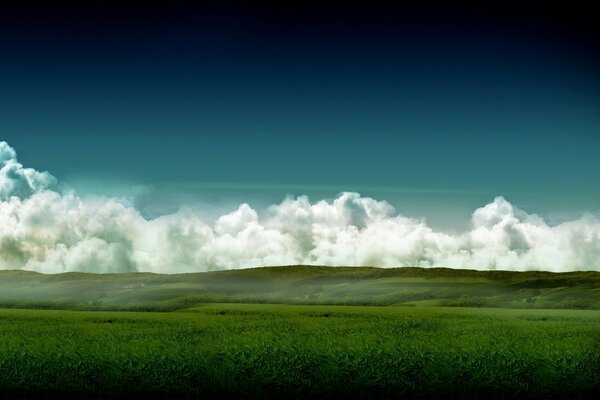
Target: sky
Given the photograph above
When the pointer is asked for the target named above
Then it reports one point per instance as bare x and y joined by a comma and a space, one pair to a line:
434, 109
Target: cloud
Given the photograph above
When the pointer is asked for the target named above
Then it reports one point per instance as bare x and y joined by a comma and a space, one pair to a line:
18, 181
46, 230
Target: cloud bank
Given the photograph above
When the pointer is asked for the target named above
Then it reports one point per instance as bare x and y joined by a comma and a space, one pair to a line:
51, 231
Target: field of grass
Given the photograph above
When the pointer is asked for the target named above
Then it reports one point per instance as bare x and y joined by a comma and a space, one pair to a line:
296, 351
302, 285
301, 332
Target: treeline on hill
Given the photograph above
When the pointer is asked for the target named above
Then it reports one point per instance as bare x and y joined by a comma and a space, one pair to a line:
302, 285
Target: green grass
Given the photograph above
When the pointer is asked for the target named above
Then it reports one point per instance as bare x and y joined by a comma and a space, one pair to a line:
302, 285
302, 351
301, 332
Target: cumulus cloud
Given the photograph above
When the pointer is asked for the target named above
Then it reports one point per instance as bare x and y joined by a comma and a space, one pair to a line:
46, 230
15, 180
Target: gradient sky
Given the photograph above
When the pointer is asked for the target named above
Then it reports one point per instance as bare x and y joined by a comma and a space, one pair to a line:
436, 110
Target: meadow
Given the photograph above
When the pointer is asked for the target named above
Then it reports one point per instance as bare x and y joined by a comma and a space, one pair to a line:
296, 351
301, 332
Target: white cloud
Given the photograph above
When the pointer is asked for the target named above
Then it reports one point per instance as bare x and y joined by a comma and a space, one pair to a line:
15, 180
48, 231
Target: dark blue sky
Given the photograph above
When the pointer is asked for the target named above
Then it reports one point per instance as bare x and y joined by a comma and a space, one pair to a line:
436, 110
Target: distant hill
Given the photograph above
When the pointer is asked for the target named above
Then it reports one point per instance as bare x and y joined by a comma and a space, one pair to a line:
302, 285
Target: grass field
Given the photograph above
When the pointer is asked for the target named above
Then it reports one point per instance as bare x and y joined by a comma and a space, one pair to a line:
296, 351
301, 332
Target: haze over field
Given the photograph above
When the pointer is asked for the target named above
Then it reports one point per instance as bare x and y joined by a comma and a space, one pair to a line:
49, 228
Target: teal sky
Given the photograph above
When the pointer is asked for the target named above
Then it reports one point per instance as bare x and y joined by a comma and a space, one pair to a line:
437, 115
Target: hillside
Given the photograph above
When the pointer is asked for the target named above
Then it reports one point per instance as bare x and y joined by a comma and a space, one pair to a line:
302, 285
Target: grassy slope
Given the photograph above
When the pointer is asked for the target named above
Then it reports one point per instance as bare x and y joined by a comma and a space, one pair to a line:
302, 285
283, 351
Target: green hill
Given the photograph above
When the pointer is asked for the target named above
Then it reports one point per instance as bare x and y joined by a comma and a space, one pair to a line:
302, 285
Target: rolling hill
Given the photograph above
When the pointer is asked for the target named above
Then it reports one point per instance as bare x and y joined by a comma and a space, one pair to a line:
301, 285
